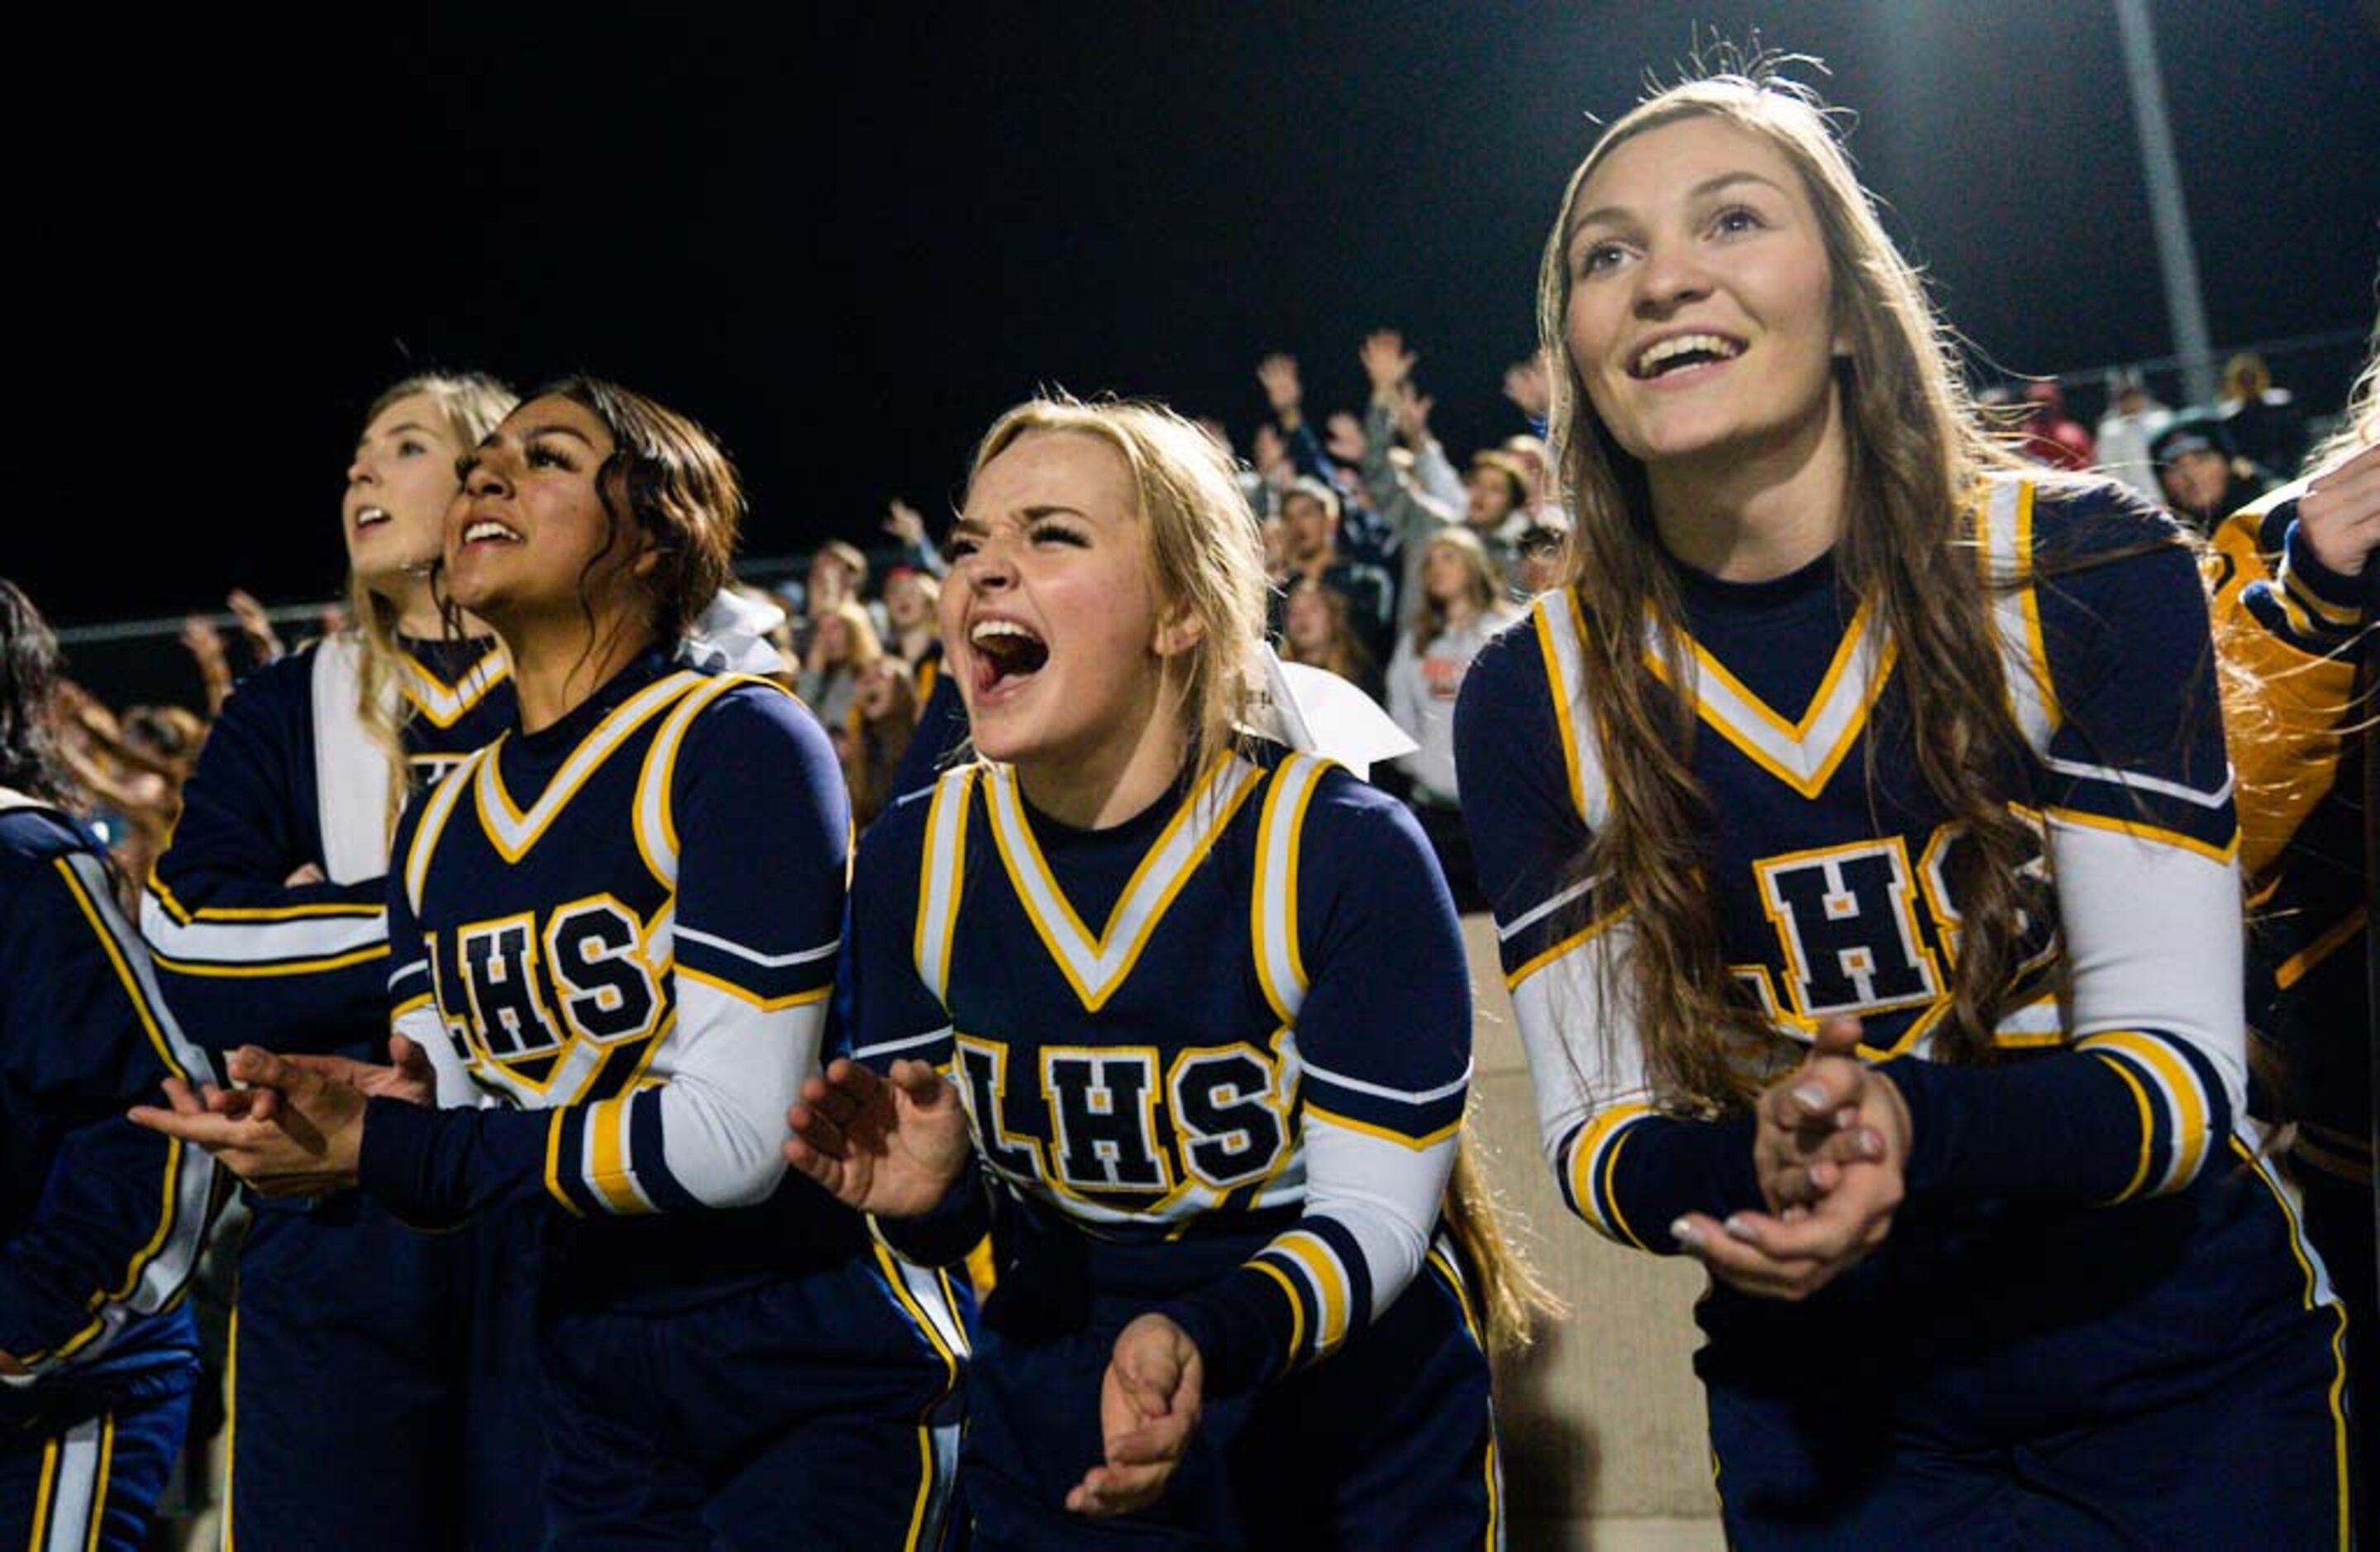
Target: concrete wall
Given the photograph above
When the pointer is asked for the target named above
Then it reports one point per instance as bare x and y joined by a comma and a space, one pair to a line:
1605, 1442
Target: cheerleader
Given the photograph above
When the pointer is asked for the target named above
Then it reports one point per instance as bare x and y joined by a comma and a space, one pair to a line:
360, 1352
100, 1224
1862, 851
1185, 1013
612, 936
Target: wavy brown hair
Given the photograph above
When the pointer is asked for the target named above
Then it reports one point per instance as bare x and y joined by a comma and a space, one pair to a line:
669, 480
1916, 451
29, 760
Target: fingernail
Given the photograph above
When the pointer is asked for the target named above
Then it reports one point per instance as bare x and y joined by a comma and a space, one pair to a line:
1871, 1145
1737, 1229
1686, 1234
1810, 1096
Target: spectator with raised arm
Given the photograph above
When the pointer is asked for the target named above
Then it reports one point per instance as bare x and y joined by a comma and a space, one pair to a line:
1416, 496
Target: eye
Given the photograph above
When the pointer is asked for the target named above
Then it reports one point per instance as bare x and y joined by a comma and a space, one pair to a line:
959, 546
1050, 532
409, 448
546, 456
1737, 218
1599, 257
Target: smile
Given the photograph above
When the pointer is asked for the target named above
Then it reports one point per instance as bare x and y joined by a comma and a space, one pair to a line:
371, 517
487, 530
1680, 351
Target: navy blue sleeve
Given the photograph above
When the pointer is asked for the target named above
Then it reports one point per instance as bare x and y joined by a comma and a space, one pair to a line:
246, 956
1382, 1030
104, 1219
1624, 1167
895, 1016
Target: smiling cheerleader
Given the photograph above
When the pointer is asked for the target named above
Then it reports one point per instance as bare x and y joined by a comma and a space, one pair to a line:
1862, 848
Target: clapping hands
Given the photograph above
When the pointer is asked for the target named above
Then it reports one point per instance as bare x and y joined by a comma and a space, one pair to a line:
1830, 1147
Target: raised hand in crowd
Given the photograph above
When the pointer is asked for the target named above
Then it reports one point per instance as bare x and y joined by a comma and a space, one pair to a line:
1387, 362
255, 624
205, 645
1411, 408
1531, 391
1283, 389
906, 524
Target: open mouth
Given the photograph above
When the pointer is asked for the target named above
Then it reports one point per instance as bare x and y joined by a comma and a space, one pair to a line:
487, 531
1681, 352
1005, 652
371, 517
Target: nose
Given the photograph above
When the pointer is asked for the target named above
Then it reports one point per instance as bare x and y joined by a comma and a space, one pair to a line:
485, 479
1671, 275
990, 569
360, 470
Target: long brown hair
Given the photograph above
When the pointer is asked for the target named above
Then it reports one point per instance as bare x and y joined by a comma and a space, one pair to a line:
1916, 452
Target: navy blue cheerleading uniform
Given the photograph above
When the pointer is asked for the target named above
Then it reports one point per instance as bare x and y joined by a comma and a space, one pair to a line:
101, 1222
360, 1351
616, 937
2292, 626
1235, 1103
2097, 1320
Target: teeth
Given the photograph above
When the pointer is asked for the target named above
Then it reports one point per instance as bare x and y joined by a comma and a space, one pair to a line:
485, 530
987, 629
1653, 356
370, 515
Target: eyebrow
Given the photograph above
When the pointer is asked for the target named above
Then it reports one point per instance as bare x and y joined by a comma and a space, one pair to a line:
530, 433
1022, 515
1703, 190
400, 426
556, 428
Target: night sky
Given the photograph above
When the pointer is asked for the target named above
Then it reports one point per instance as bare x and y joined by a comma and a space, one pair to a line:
847, 237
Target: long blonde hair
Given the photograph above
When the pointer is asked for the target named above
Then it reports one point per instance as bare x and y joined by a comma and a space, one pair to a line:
2359, 421
1916, 451
473, 404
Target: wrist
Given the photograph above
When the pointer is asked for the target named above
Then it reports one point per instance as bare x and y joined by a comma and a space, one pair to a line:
2332, 573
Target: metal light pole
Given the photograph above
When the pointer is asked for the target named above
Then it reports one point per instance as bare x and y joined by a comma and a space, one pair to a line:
2185, 310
